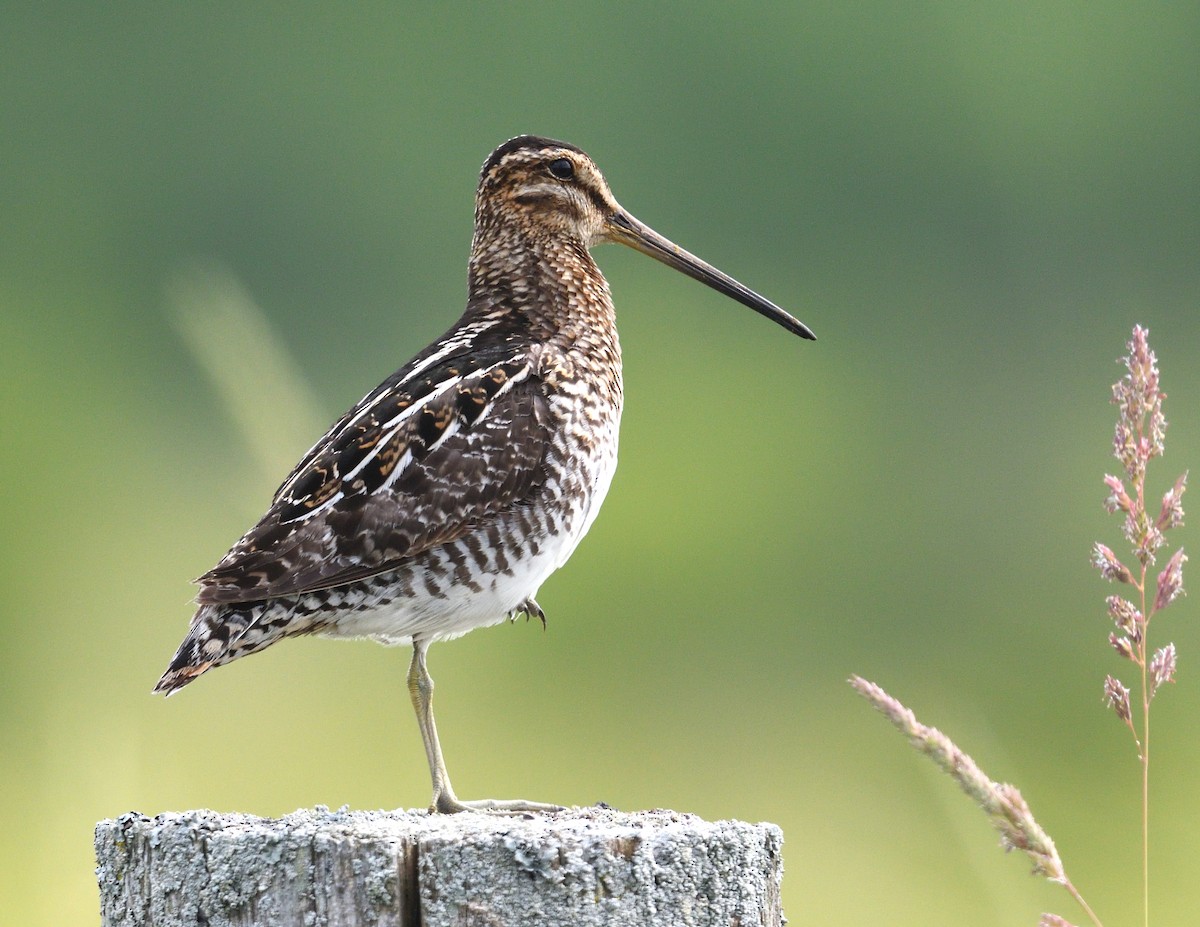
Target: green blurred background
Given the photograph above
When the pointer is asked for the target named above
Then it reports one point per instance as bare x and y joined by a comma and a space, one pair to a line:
971, 204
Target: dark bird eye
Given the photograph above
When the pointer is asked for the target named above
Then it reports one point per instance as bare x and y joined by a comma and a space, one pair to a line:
562, 168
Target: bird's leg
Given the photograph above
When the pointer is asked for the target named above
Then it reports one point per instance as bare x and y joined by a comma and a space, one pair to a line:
420, 688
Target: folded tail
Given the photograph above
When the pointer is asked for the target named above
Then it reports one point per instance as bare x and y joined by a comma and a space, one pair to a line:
219, 634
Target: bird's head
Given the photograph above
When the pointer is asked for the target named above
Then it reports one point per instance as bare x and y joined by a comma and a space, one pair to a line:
553, 190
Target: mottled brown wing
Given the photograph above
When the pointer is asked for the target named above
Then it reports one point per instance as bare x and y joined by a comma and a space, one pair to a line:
416, 464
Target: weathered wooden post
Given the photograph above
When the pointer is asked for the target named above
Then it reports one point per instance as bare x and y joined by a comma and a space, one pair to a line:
321, 868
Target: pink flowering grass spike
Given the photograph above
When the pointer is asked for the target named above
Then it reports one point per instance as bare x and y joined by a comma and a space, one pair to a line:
1139, 437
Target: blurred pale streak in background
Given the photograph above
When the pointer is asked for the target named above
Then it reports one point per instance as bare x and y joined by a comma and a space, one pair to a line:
260, 384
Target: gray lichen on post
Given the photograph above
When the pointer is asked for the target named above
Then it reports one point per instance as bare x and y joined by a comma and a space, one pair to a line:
586, 866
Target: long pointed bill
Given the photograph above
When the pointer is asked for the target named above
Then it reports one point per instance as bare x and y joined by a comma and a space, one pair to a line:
624, 228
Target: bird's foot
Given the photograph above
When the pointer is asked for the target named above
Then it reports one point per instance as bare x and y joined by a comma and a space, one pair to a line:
530, 609
447, 803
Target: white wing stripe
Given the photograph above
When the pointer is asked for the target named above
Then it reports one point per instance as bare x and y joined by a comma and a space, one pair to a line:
393, 426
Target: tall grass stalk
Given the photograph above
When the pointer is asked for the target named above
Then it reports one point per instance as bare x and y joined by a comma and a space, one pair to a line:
1139, 437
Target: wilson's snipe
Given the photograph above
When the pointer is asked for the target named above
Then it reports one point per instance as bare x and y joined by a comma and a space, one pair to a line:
442, 501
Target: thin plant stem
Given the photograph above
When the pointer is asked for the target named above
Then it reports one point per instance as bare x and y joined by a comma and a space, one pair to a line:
1145, 751
1087, 908
1145, 807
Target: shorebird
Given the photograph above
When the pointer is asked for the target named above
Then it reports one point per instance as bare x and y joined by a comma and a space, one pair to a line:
443, 500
